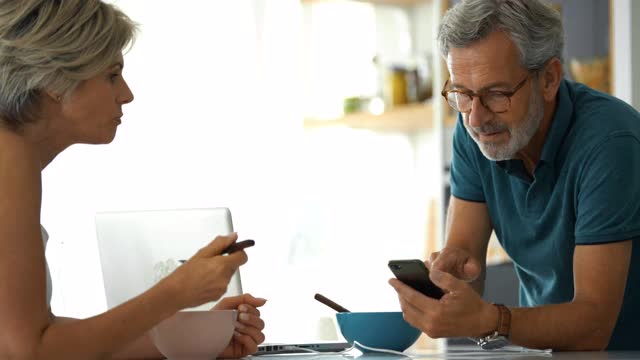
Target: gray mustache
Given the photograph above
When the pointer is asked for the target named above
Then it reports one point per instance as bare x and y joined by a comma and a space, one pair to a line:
489, 128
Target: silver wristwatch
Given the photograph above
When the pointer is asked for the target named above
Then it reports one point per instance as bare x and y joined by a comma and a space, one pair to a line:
492, 342
500, 337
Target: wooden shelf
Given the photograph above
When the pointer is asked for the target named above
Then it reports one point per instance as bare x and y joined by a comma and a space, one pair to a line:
405, 118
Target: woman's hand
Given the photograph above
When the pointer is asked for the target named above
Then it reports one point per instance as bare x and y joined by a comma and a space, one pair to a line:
249, 326
206, 275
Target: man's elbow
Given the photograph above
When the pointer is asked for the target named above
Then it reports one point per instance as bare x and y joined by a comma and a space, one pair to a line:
590, 346
597, 340
596, 327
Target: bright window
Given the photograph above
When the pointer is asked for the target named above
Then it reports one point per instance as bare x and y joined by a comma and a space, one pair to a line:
217, 121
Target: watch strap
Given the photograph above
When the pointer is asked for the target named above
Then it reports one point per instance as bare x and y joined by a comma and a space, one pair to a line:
504, 322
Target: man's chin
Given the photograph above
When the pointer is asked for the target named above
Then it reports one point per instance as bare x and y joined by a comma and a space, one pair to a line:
495, 153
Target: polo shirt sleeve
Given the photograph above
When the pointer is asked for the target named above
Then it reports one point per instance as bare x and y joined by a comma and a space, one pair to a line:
608, 198
466, 183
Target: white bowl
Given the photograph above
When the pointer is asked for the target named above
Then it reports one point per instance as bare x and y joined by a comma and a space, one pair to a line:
194, 335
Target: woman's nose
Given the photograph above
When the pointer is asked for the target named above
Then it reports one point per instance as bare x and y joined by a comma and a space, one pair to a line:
127, 95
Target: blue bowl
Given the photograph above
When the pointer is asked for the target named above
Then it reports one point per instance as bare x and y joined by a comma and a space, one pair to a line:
384, 330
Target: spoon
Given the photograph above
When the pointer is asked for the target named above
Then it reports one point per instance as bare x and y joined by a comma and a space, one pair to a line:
237, 246
330, 303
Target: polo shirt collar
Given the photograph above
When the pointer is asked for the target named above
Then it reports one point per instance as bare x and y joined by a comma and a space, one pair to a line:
559, 126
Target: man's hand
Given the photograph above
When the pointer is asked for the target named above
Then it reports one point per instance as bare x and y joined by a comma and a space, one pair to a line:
460, 312
249, 326
456, 262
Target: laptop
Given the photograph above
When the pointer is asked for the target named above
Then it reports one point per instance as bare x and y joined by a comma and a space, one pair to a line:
297, 348
133, 244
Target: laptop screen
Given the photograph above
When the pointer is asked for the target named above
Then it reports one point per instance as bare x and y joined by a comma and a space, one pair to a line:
132, 244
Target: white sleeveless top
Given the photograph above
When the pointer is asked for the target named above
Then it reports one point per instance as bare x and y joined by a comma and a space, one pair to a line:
45, 238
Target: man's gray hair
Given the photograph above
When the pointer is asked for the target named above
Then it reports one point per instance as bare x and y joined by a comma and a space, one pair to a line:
534, 27
53, 45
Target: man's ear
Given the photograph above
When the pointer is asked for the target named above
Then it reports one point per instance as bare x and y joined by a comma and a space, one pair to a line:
551, 76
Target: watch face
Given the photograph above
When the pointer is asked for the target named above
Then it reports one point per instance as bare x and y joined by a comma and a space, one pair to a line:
494, 343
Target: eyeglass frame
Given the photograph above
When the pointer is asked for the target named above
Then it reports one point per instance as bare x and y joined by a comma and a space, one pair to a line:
508, 94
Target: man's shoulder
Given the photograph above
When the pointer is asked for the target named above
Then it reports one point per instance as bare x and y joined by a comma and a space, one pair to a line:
601, 111
598, 117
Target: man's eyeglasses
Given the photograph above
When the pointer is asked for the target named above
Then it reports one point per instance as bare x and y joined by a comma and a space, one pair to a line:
494, 100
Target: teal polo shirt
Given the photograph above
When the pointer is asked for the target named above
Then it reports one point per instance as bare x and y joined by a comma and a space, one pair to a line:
585, 190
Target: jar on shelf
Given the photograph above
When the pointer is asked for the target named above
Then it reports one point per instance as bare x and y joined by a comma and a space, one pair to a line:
396, 86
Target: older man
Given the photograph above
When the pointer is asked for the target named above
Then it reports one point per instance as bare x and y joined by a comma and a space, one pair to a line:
553, 167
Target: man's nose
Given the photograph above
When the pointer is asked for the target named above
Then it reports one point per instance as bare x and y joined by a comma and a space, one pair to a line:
479, 114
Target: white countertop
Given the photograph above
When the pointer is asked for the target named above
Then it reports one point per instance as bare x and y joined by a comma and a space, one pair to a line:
463, 353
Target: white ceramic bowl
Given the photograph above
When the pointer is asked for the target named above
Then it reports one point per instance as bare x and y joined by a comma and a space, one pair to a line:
194, 335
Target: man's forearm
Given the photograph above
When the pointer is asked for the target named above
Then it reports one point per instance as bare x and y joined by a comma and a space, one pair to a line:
571, 326
478, 284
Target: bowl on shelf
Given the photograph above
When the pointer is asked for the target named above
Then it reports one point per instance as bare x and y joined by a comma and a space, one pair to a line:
194, 335
592, 72
382, 330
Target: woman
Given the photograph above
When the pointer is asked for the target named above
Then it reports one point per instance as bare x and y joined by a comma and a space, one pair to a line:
61, 84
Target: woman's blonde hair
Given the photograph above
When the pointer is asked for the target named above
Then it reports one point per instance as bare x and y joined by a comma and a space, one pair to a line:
53, 45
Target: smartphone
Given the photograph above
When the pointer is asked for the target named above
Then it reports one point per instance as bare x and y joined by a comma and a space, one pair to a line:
415, 274
237, 246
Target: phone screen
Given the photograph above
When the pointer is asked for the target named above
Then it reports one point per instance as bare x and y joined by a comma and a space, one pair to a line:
415, 274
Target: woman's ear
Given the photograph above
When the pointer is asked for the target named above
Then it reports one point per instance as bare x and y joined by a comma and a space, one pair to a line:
551, 78
53, 96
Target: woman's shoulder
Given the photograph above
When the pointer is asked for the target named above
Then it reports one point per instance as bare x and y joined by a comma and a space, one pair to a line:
15, 144
18, 158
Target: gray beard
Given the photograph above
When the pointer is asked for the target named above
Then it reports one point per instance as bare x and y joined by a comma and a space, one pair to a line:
519, 136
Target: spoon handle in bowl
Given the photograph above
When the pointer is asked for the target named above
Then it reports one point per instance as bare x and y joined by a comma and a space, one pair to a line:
330, 303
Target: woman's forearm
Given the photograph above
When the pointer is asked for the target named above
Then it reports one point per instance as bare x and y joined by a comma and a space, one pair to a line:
118, 333
141, 348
